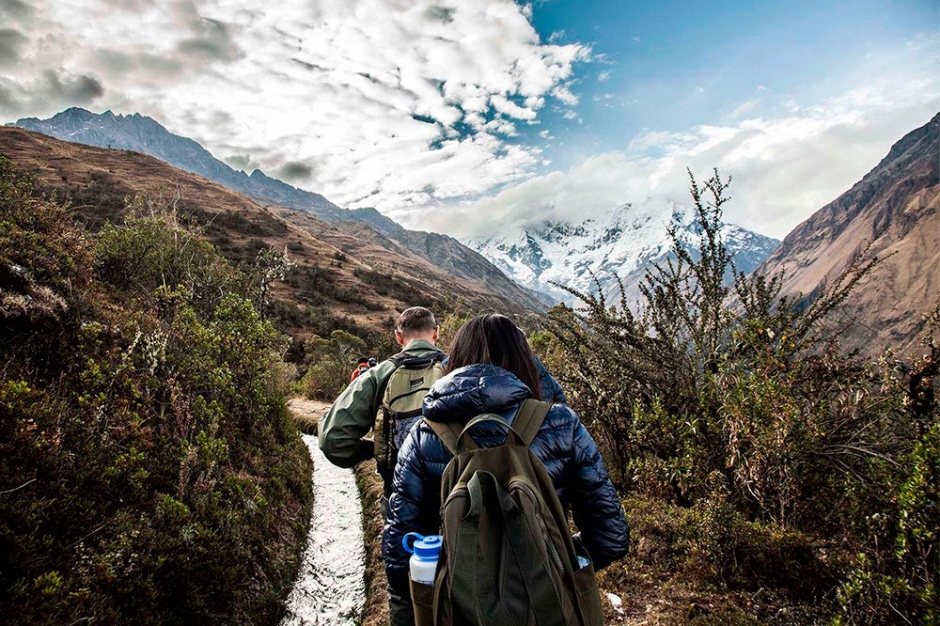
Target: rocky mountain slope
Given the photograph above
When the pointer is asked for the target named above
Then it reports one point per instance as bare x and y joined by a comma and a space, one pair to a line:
894, 210
343, 279
625, 242
143, 134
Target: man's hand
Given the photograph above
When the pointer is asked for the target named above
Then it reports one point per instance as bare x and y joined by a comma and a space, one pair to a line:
366, 449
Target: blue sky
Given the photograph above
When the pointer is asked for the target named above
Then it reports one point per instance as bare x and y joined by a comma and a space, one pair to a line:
475, 116
675, 64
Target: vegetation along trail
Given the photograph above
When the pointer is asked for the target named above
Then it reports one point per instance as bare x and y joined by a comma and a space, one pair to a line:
329, 587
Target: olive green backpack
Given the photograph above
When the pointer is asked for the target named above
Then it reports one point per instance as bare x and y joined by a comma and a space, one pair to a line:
508, 557
401, 406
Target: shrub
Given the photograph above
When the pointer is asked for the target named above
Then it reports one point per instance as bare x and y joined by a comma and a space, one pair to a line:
896, 574
330, 363
154, 248
148, 469
716, 382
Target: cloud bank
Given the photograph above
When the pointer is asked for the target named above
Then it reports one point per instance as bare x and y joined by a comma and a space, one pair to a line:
380, 103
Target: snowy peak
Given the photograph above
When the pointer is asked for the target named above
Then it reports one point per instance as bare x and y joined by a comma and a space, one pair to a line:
623, 242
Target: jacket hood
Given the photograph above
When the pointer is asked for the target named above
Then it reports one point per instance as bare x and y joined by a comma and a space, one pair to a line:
472, 390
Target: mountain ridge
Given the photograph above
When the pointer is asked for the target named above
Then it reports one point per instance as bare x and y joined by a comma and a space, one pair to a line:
144, 134
341, 281
893, 212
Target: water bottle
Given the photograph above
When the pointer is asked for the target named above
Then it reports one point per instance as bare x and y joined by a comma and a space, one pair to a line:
424, 554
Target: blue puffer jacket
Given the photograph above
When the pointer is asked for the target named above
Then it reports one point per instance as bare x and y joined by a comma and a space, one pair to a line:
562, 444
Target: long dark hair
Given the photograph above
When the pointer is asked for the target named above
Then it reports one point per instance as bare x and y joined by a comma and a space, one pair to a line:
493, 338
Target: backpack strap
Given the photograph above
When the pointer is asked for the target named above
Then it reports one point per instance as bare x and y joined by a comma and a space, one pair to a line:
447, 433
403, 359
529, 419
457, 439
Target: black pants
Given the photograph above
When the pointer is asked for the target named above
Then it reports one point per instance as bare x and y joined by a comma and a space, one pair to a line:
400, 610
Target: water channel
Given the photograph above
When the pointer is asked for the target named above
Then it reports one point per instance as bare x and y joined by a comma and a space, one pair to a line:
330, 587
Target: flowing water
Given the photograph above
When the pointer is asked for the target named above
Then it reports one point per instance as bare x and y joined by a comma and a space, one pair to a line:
330, 587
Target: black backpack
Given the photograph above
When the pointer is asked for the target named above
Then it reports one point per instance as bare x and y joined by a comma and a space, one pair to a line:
508, 557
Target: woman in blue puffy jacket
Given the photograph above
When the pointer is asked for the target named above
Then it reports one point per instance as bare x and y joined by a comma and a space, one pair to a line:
492, 370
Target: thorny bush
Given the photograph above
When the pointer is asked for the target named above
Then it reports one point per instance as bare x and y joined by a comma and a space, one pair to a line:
728, 381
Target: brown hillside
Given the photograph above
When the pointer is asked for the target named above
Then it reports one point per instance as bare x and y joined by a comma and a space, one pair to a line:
346, 277
895, 209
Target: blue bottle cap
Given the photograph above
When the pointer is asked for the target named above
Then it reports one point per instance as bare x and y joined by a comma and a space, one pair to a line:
425, 547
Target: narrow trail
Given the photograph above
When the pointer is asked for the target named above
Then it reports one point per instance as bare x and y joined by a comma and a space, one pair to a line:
330, 587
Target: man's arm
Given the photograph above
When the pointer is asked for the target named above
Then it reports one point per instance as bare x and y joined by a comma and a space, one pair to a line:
342, 429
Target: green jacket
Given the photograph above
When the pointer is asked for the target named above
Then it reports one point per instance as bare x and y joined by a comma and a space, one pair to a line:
342, 430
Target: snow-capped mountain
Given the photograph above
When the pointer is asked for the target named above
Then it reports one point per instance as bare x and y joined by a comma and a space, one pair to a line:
625, 242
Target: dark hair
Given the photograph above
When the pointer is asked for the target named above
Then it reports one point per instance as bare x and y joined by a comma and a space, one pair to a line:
416, 321
493, 338
363, 359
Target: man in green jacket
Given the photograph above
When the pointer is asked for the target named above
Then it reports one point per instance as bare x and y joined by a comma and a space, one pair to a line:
342, 432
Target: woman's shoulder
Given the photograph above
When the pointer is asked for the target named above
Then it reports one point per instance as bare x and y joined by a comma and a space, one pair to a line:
560, 424
561, 413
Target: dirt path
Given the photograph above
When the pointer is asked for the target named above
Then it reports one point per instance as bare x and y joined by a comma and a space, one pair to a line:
308, 408
307, 413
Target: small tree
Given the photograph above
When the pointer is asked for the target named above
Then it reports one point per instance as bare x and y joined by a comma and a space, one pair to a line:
270, 266
719, 376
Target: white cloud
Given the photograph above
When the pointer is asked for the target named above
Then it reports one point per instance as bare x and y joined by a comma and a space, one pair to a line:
564, 94
745, 107
368, 102
785, 167
361, 100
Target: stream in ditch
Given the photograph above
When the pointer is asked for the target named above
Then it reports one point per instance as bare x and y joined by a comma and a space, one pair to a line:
330, 588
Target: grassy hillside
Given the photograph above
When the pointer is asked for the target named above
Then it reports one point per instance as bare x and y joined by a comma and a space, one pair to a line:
345, 277
149, 472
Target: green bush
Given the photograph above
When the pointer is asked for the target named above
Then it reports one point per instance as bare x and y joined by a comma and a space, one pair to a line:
898, 576
330, 362
155, 248
149, 472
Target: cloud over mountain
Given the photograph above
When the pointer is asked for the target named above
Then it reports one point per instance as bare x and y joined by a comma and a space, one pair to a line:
373, 102
787, 158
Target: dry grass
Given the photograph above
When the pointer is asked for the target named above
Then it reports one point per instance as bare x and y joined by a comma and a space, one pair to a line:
375, 611
325, 289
